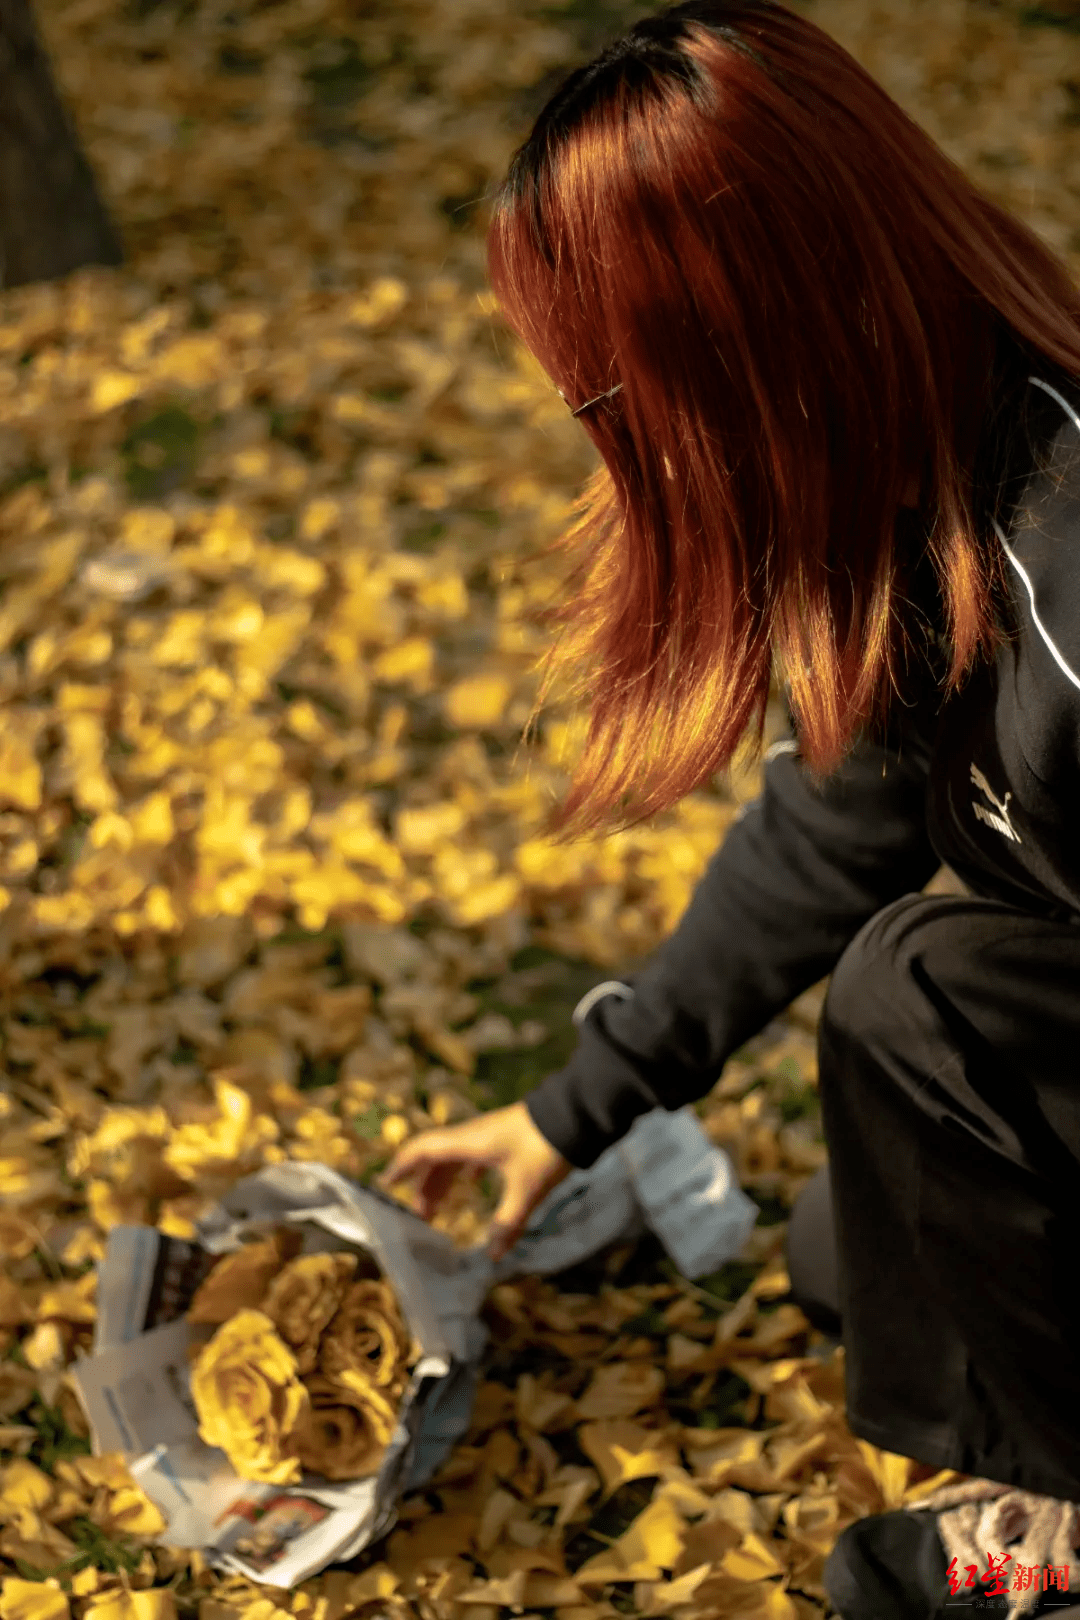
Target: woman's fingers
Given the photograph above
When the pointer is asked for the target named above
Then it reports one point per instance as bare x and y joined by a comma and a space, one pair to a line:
432, 1175
525, 1183
410, 1158
429, 1148
434, 1186
508, 1222
505, 1140
432, 1159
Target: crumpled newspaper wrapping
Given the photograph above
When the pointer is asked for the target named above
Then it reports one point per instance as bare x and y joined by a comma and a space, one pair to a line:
664, 1176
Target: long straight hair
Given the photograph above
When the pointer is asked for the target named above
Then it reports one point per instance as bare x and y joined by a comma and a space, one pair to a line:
792, 300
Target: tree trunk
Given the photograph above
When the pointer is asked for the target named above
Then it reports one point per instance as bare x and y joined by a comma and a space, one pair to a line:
52, 219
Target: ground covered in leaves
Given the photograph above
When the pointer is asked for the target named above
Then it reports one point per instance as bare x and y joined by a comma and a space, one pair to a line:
274, 879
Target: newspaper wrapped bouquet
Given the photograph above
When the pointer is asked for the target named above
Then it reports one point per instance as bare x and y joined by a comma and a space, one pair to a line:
278, 1384
306, 1364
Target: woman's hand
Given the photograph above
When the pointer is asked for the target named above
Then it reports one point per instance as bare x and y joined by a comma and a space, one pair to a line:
505, 1140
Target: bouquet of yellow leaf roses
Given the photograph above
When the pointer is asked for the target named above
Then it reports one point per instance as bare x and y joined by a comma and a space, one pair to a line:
307, 1364
279, 1378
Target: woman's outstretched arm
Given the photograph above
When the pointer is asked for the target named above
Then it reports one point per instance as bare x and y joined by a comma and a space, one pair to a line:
795, 879
793, 882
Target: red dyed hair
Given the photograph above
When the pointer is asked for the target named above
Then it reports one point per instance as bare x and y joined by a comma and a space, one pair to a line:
802, 299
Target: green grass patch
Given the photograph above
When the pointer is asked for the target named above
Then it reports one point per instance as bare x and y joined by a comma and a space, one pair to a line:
1065, 15
54, 1441
369, 1124
317, 1072
161, 452
730, 1282
113, 1555
502, 1078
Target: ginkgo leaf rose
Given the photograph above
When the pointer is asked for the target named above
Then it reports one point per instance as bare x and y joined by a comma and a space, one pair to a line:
238, 1282
367, 1335
302, 1299
319, 1338
343, 1432
249, 1398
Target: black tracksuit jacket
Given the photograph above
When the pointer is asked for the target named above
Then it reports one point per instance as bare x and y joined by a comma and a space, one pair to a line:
986, 781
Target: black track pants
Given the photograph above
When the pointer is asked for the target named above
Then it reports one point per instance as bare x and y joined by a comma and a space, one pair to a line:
950, 1086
